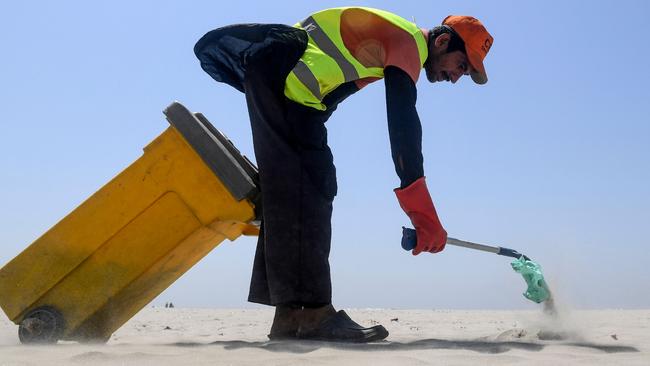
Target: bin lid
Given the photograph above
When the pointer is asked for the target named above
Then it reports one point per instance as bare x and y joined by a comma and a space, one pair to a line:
237, 173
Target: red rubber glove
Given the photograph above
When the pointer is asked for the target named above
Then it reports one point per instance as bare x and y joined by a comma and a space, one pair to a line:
416, 201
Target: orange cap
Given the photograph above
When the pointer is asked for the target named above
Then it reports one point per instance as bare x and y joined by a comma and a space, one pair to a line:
477, 42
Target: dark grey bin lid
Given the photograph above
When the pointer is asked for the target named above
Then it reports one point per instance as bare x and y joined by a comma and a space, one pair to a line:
235, 171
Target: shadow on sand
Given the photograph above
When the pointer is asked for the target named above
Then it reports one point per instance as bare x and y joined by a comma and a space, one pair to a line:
424, 344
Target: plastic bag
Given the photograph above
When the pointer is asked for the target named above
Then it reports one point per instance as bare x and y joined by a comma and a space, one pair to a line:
537, 290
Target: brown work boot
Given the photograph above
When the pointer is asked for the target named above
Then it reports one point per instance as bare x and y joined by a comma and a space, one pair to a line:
285, 322
326, 324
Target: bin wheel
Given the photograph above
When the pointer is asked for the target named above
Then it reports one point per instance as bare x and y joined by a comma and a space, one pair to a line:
41, 325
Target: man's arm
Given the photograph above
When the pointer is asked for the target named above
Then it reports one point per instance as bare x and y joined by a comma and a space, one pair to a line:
406, 145
403, 125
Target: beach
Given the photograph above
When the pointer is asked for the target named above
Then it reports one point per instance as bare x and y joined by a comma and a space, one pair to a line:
181, 336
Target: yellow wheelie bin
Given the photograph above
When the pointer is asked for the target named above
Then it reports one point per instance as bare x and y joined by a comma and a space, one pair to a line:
112, 255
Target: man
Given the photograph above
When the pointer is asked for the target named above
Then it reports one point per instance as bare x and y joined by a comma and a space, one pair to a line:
293, 79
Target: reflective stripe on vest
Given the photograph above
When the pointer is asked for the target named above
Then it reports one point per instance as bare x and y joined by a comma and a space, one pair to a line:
323, 42
307, 78
327, 63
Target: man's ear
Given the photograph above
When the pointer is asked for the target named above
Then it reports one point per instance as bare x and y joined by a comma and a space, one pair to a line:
442, 41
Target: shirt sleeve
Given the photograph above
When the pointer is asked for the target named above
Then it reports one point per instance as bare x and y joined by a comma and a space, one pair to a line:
404, 128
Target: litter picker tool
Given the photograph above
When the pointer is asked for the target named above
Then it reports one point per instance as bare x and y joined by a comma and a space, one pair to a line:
537, 291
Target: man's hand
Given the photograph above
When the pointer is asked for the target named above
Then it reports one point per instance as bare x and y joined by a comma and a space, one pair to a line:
416, 201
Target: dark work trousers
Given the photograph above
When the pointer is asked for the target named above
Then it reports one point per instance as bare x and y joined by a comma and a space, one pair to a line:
297, 174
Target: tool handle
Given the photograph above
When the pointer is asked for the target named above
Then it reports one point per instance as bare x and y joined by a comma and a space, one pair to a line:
409, 241
475, 246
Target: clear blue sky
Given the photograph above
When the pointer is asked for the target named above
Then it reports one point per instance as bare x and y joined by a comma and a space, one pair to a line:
551, 157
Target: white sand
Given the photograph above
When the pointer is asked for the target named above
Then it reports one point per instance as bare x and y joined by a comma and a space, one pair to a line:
159, 336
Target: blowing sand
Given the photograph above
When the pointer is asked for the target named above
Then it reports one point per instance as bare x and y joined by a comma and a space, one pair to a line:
160, 336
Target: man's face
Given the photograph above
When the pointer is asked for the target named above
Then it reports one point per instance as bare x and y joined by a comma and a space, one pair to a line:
445, 66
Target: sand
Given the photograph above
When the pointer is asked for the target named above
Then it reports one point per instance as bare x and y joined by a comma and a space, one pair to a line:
178, 336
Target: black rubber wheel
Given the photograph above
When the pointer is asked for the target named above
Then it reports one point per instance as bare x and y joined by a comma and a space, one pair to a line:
42, 325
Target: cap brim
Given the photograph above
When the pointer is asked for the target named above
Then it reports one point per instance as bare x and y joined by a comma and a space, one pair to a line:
477, 73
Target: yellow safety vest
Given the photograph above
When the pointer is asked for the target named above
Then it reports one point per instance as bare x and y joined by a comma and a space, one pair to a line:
327, 63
